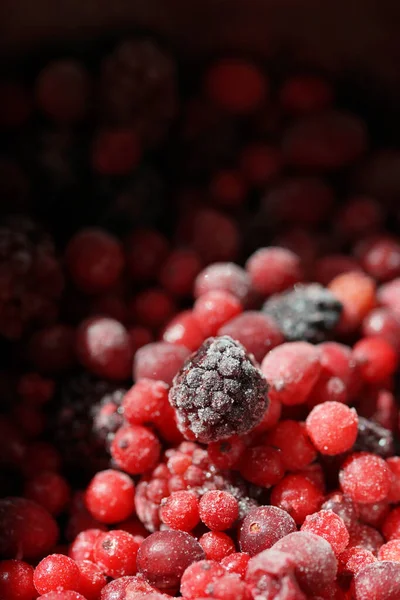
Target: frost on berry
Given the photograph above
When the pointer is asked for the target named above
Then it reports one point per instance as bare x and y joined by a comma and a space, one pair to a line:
218, 392
309, 312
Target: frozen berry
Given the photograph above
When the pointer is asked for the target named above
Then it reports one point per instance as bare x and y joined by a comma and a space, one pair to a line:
227, 277
214, 309
180, 511
145, 402
354, 559
291, 438
218, 392
199, 577
160, 361
110, 496
103, 346
273, 270
307, 313
330, 526
16, 580
56, 572
236, 563
376, 358
83, 545
185, 330
262, 527
152, 307
377, 581
50, 490
262, 465
291, 371
356, 292
297, 495
91, 579
218, 510
374, 438
216, 545
365, 477
327, 438
135, 449
164, 556
115, 552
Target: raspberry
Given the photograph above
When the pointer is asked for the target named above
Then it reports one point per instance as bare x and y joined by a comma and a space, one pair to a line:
218, 392
31, 277
291, 371
56, 572
180, 511
110, 496
315, 562
16, 580
50, 490
94, 260
373, 438
290, 437
84, 416
216, 545
257, 332
380, 579
262, 527
214, 309
330, 526
138, 88
325, 141
376, 358
227, 277
273, 270
160, 361
164, 556
236, 86
365, 477
135, 449
307, 313
218, 510
302, 94
331, 440
298, 495
26, 529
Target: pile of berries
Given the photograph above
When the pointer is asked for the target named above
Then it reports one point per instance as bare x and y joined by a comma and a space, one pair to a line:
200, 327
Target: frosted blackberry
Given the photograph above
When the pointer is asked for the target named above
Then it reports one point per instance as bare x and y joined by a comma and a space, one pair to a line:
83, 419
31, 279
374, 438
218, 392
307, 312
138, 89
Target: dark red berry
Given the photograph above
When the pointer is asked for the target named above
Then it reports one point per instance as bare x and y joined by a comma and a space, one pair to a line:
262, 527
227, 277
16, 580
273, 270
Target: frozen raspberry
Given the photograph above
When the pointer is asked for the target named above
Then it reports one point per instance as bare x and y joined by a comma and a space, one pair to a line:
379, 580
315, 562
84, 417
374, 438
227, 277
138, 88
218, 392
31, 277
160, 361
164, 556
307, 313
262, 527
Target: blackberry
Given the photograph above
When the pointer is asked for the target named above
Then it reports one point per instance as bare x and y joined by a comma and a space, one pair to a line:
83, 418
198, 475
306, 313
219, 392
374, 438
31, 279
139, 89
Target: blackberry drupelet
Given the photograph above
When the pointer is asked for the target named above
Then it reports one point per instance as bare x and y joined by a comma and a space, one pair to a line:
31, 279
219, 392
84, 416
306, 313
372, 437
138, 89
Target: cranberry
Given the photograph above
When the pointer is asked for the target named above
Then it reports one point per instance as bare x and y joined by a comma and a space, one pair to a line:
62, 595
159, 361
135, 449
226, 453
215, 236
164, 556
16, 580
110, 496
262, 527
115, 552
383, 323
56, 572
354, 559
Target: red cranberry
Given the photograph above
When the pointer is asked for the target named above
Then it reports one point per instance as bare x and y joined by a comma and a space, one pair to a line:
262, 527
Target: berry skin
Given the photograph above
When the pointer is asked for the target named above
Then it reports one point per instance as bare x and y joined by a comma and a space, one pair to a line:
94, 260
262, 527
164, 556
257, 332
291, 370
330, 526
50, 490
115, 152
273, 270
262, 465
135, 449
26, 529
214, 309
236, 563
236, 86
115, 553
145, 402
216, 545
103, 347
376, 358
218, 392
315, 562
56, 572
160, 361
290, 437
227, 277
365, 477
199, 577
16, 580
307, 313
377, 581
110, 496
298, 495
328, 438
180, 511
83, 545
218, 510
185, 330
91, 579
